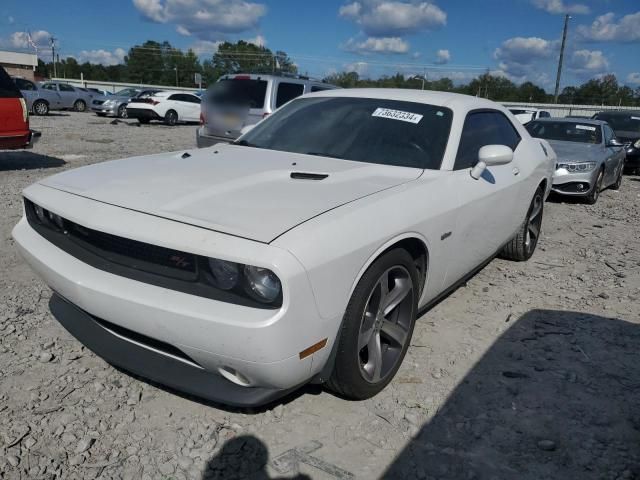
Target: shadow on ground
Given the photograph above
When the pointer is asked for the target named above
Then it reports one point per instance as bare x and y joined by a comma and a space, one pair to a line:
22, 160
556, 396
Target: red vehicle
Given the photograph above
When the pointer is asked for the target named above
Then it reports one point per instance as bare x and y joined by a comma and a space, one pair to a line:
14, 118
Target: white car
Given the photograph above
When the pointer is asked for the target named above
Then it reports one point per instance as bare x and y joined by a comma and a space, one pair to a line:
301, 252
171, 107
526, 115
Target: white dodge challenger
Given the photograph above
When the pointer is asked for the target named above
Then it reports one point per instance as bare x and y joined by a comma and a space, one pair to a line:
301, 253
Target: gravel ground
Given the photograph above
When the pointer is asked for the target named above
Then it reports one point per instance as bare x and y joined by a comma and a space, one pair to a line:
531, 370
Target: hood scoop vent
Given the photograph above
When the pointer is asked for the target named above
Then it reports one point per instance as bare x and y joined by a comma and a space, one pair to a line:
308, 176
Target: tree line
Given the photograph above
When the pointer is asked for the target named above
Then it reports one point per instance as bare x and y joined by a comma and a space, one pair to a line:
162, 64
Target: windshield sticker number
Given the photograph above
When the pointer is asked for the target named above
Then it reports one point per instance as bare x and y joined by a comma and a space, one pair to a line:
635, 118
397, 115
586, 127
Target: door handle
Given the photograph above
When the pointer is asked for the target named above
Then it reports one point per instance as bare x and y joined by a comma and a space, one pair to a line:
516, 171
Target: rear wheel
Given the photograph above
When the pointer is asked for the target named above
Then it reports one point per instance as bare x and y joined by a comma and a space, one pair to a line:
522, 246
377, 327
171, 118
593, 196
122, 111
80, 106
40, 107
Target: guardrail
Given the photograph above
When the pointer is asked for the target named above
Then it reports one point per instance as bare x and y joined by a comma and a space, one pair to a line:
563, 110
115, 86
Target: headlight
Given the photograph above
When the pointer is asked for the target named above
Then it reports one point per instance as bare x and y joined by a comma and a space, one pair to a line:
637, 144
257, 283
225, 274
108, 102
262, 284
578, 167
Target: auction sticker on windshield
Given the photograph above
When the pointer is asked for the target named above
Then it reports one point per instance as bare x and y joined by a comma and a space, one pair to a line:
397, 115
586, 127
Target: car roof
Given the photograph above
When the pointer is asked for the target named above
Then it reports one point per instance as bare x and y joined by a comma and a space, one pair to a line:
443, 99
167, 93
622, 113
271, 76
584, 121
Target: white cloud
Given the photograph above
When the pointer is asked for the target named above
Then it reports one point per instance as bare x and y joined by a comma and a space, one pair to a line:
442, 57
102, 57
361, 68
204, 19
377, 45
606, 29
558, 7
634, 78
20, 40
204, 47
380, 18
258, 40
11, 20
588, 62
518, 56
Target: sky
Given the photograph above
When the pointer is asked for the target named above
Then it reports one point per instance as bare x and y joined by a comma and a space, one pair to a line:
459, 39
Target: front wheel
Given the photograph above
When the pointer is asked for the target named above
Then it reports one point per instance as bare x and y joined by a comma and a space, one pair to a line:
376, 327
80, 106
171, 118
618, 184
122, 111
40, 107
521, 247
594, 194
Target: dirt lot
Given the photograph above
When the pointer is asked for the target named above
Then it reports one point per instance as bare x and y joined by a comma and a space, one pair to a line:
531, 370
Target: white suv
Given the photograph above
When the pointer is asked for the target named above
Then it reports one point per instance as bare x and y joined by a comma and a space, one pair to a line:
236, 101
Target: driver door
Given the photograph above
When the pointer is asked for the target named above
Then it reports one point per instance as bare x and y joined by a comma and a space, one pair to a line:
488, 208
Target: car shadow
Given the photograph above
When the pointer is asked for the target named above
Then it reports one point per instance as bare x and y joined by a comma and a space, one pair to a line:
57, 114
556, 396
24, 160
242, 457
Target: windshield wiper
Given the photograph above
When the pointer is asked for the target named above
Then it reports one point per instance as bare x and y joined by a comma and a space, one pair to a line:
244, 143
323, 154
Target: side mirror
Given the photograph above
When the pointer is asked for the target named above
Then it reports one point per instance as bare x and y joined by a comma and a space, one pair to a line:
491, 156
246, 129
614, 142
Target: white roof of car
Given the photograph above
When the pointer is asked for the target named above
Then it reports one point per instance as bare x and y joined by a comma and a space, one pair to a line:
443, 99
167, 93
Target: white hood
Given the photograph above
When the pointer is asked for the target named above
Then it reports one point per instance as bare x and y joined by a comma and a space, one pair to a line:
241, 191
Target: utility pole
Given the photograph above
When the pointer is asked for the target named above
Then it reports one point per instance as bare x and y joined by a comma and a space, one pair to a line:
176, 70
564, 40
424, 74
53, 55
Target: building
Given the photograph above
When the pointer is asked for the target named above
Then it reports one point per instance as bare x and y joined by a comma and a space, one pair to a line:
19, 64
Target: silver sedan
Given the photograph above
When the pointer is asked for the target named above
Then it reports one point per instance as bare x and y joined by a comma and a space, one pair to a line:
590, 157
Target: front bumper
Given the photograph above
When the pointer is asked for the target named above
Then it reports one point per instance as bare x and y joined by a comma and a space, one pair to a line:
632, 159
214, 337
152, 364
576, 184
143, 114
106, 110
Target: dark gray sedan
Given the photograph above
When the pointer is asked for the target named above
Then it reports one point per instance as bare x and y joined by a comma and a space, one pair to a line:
590, 157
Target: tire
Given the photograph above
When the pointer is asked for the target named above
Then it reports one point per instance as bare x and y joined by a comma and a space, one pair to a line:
618, 183
80, 106
40, 107
521, 247
122, 111
356, 374
594, 194
171, 118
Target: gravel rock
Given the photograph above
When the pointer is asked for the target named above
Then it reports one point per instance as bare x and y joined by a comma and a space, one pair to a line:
13, 460
45, 357
84, 444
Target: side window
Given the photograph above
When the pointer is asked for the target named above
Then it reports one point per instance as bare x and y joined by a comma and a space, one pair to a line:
66, 88
176, 96
288, 91
315, 88
50, 86
544, 114
24, 84
608, 134
191, 99
480, 129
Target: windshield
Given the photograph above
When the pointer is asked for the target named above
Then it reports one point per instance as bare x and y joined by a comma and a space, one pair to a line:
8, 89
387, 132
238, 92
127, 92
566, 131
520, 112
622, 122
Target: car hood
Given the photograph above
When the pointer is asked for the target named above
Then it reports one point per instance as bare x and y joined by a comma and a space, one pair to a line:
576, 151
242, 191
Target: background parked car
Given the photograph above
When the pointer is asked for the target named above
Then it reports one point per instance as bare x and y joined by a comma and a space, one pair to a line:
172, 107
590, 157
70, 97
39, 100
116, 104
100, 92
525, 115
236, 101
626, 125
14, 124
